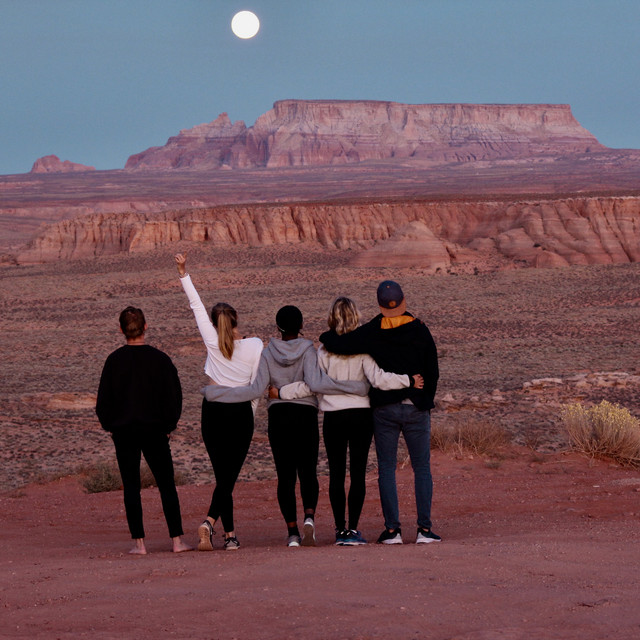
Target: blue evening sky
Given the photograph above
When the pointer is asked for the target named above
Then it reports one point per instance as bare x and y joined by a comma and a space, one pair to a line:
94, 81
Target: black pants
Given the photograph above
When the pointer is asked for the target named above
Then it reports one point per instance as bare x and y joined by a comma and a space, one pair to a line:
227, 430
347, 429
130, 445
294, 440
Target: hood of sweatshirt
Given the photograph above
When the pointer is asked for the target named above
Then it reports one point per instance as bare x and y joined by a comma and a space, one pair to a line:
288, 352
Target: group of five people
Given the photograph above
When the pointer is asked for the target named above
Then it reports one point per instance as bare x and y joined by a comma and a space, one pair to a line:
376, 381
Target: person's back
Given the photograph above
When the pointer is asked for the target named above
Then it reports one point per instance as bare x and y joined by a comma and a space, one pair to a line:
400, 343
139, 402
139, 389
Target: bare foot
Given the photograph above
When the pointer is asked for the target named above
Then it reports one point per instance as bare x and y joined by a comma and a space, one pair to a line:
139, 549
179, 546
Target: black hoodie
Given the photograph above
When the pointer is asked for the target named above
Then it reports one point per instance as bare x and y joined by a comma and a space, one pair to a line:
408, 349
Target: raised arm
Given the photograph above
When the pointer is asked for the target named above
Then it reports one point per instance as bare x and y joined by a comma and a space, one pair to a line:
320, 382
218, 393
207, 330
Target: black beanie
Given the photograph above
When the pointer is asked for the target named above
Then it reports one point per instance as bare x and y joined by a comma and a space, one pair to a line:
289, 319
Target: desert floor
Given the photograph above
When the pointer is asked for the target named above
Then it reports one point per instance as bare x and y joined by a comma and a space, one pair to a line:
537, 541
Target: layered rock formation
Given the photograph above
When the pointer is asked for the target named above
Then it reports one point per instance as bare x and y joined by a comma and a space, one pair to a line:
432, 235
53, 164
334, 132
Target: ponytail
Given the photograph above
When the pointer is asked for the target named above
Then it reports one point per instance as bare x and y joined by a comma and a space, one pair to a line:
225, 320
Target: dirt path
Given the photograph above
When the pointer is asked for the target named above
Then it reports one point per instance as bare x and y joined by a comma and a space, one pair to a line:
544, 548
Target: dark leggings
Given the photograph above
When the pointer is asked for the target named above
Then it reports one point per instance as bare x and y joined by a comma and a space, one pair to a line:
130, 446
227, 430
352, 429
294, 440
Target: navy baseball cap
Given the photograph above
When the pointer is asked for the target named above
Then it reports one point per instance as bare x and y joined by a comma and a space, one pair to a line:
390, 294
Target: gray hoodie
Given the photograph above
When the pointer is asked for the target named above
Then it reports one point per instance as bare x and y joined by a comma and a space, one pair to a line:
283, 362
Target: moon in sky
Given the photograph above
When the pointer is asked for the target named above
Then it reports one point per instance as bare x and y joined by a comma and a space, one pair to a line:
245, 24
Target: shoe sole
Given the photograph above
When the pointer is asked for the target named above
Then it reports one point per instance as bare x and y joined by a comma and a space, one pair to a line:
204, 543
427, 541
293, 544
308, 536
392, 541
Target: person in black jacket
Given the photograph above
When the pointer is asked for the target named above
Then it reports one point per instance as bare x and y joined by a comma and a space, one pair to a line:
139, 402
399, 343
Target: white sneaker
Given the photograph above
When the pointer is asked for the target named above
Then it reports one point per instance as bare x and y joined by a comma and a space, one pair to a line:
293, 541
309, 533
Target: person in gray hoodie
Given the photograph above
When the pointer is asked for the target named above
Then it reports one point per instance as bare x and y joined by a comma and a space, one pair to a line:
292, 425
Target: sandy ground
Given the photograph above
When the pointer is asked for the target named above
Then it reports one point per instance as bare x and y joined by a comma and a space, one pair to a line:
540, 547
538, 543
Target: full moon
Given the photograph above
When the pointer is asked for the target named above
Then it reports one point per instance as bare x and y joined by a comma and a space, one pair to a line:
245, 24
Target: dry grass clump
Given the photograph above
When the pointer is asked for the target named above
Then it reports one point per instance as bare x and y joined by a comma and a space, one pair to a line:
101, 477
105, 476
605, 430
477, 435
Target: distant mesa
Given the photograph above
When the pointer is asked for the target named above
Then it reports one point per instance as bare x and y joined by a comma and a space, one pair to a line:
299, 133
53, 164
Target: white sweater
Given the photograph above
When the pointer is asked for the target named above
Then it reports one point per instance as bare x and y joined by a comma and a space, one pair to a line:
359, 367
241, 370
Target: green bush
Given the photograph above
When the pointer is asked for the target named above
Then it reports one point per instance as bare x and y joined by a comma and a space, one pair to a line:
605, 430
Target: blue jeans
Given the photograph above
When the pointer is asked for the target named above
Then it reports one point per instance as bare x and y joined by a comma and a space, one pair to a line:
415, 425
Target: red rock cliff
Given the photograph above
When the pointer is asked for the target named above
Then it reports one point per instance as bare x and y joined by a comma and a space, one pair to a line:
570, 231
329, 132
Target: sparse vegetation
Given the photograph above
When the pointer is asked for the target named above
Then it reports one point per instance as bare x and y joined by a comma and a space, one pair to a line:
605, 430
101, 477
105, 476
480, 436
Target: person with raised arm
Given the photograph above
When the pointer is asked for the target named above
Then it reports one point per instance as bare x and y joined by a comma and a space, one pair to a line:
292, 425
227, 428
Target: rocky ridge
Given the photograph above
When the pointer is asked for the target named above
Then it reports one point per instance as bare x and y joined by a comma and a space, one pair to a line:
432, 235
337, 132
53, 164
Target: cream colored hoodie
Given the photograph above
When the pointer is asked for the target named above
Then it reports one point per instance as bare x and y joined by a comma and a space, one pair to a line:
358, 367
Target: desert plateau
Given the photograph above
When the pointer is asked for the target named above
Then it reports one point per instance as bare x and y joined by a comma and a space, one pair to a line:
516, 238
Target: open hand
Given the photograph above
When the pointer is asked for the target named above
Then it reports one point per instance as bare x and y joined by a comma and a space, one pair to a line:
181, 262
418, 381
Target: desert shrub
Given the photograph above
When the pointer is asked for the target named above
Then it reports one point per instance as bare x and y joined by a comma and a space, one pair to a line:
480, 436
101, 477
605, 430
105, 476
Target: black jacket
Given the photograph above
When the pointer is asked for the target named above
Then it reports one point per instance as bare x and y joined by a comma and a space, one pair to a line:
408, 349
139, 388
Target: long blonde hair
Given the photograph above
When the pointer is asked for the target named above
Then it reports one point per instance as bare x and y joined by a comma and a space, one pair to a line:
225, 320
343, 315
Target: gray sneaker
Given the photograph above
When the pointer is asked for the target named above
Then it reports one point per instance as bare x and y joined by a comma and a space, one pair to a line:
205, 536
293, 541
231, 543
309, 533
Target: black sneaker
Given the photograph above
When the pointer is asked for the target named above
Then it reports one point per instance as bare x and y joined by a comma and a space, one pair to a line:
353, 538
341, 535
231, 543
390, 537
426, 535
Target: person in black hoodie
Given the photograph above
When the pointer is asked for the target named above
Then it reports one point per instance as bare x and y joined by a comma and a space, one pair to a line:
399, 343
139, 403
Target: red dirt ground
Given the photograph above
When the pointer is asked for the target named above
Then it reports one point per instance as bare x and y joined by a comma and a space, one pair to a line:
539, 547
